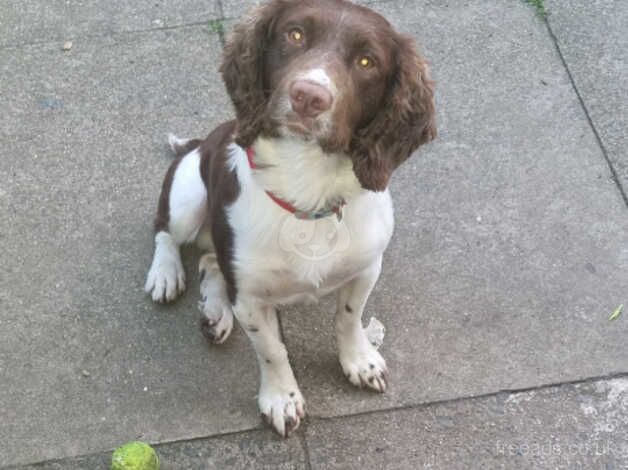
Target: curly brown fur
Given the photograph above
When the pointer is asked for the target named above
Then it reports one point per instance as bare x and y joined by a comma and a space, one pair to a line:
244, 74
398, 124
406, 121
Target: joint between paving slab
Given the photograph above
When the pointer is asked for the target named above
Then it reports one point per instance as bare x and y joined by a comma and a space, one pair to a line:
122, 33
600, 142
221, 21
154, 444
450, 401
217, 29
302, 433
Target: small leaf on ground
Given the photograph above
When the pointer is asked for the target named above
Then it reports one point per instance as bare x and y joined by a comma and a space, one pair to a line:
615, 315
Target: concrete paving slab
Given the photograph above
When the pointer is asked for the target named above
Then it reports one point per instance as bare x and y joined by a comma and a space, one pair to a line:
511, 245
236, 8
573, 426
25, 22
510, 251
593, 39
87, 361
256, 449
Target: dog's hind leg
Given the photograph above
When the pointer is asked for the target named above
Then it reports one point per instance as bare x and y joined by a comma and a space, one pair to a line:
217, 321
180, 216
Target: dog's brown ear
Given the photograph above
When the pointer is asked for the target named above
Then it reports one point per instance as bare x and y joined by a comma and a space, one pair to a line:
406, 121
243, 69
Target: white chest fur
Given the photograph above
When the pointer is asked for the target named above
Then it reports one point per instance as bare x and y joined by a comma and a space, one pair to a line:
280, 259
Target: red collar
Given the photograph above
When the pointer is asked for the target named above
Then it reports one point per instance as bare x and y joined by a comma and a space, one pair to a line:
337, 210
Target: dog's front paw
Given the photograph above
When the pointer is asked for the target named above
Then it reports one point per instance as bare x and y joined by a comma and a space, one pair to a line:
166, 277
282, 408
364, 366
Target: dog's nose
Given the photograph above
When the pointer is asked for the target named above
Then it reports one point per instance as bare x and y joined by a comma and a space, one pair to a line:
309, 99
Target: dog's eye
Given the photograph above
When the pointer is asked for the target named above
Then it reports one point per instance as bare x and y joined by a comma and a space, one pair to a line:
296, 35
366, 62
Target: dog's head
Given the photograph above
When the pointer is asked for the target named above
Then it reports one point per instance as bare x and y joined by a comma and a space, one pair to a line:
333, 72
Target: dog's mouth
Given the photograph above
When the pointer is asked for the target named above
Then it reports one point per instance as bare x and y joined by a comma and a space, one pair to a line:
286, 122
311, 130
301, 126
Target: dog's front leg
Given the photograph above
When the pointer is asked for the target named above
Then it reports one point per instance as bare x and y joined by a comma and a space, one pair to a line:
280, 400
363, 365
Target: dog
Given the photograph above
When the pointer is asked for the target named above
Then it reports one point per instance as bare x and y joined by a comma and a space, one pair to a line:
290, 199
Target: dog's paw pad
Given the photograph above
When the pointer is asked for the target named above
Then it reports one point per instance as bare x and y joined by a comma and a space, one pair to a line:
217, 321
217, 331
282, 409
365, 368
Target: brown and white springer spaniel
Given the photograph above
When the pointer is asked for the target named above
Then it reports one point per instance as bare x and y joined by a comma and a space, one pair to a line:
290, 200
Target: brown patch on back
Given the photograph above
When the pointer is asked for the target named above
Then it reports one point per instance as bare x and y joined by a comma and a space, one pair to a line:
162, 220
182, 150
222, 190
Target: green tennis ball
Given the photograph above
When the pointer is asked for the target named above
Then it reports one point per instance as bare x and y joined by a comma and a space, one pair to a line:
135, 456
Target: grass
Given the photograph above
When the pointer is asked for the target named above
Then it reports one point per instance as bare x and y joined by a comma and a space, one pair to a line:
539, 5
217, 27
